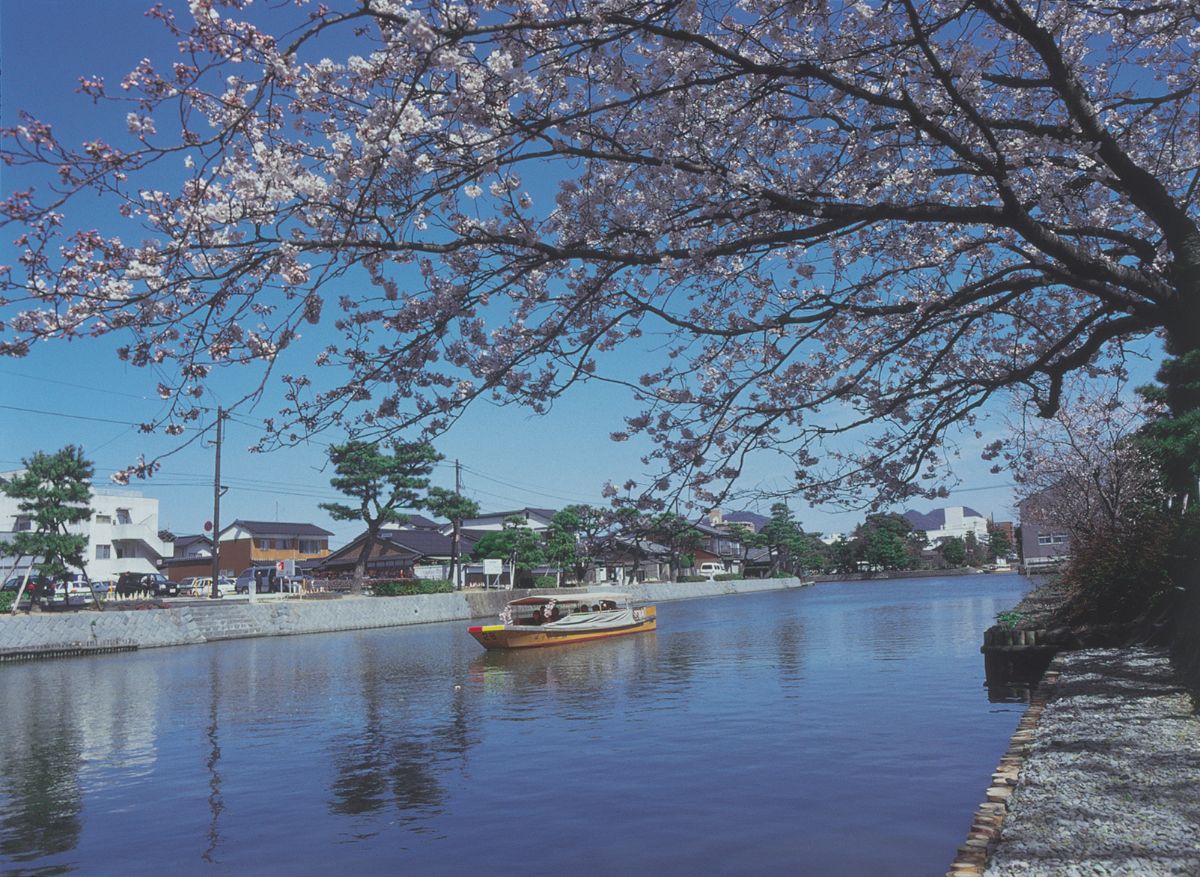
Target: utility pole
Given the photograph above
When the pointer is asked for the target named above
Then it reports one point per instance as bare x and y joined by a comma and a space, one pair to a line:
216, 554
454, 561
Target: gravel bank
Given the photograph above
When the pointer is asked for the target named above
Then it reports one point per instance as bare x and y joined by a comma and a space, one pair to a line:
1112, 782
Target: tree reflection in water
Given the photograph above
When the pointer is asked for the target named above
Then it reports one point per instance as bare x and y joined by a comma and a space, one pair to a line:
390, 760
216, 803
39, 772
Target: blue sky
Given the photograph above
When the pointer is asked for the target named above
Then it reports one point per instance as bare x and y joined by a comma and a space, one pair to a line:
511, 458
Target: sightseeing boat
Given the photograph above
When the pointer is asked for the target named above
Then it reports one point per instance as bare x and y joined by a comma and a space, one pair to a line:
536, 622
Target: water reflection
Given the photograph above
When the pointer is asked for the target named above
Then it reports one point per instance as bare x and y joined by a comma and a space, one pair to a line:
789, 651
216, 803
405, 750
893, 633
39, 772
381, 763
387, 759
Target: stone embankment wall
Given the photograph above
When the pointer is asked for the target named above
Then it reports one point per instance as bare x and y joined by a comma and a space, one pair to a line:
233, 619
884, 575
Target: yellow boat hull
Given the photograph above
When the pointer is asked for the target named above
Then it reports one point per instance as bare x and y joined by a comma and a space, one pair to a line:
499, 636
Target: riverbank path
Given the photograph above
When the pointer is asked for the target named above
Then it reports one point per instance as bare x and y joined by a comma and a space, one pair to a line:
1112, 782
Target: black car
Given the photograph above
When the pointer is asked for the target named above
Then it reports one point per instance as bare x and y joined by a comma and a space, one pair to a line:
154, 583
37, 588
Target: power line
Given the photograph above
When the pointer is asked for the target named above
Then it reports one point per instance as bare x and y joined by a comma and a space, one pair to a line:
88, 417
523, 489
70, 416
107, 390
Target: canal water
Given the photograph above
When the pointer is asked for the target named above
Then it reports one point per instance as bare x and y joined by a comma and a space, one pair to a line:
839, 730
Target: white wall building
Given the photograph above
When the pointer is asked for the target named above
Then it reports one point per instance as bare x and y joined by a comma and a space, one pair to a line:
122, 533
535, 519
955, 520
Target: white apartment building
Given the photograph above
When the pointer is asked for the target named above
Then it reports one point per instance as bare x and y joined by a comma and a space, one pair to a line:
955, 520
122, 534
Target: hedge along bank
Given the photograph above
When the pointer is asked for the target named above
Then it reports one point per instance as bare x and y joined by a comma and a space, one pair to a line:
232, 619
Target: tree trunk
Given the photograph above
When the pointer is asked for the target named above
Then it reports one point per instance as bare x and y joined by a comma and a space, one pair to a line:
360, 566
24, 584
95, 600
454, 555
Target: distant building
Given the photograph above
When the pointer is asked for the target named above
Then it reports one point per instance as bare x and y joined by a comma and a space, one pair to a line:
402, 552
199, 545
250, 543
122, 534
752, 519
534, 519
417, 522
719, 545
952, 521
1045, 542
627, 561
1009, 530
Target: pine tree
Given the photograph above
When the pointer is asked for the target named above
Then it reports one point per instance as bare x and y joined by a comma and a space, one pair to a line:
455, 508
383, 483
55, 491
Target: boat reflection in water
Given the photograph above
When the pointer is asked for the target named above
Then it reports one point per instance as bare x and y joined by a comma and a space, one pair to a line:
537, 622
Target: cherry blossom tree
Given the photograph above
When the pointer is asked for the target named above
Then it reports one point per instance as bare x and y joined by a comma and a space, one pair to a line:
833, 231
1084, 469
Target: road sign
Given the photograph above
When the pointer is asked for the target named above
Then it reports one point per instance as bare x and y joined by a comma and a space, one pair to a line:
493, 567
285, 567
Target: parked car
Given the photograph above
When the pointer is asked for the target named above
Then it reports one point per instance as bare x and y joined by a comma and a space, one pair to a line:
203, 586
710, 569
265, 577
154, 583
38, 587
75, 591
79, 590
187, 586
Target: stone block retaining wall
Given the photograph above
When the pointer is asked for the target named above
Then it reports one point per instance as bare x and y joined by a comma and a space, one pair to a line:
233, 619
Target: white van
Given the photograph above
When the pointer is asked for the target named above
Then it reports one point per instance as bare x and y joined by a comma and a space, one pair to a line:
709, 569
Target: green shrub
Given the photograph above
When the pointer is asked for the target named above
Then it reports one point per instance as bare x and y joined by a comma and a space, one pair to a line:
6, 601
1116, 577
728, 577
1008, 619
411, 587
780, 574
545, 581
693, 579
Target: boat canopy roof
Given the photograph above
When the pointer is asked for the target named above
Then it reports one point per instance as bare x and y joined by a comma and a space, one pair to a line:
590, 597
